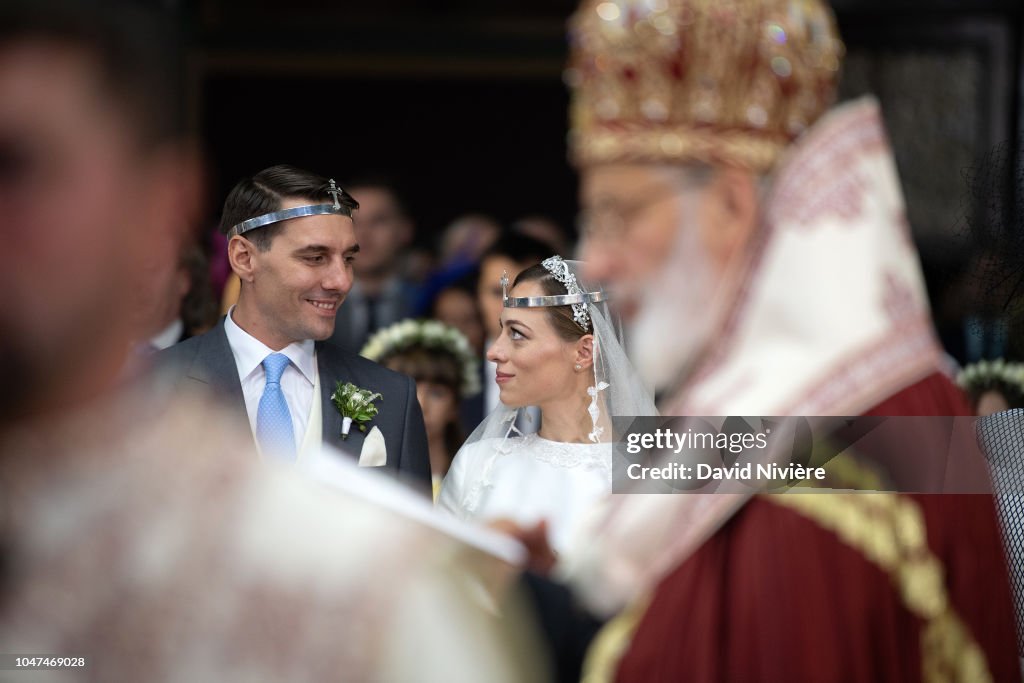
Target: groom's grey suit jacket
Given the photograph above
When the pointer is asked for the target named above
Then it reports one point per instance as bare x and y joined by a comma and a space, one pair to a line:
208, 360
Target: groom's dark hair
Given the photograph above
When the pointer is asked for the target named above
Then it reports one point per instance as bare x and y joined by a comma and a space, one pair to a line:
263, 193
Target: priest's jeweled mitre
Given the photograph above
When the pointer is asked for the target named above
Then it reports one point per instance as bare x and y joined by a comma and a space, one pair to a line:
714, 81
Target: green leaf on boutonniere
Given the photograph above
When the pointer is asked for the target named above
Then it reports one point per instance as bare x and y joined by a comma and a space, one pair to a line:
355, 404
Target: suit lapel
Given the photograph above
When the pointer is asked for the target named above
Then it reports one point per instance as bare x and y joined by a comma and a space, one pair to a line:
332, 368
214, 364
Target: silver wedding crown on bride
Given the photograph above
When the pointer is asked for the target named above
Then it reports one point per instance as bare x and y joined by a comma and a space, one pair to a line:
297, 212
574, 296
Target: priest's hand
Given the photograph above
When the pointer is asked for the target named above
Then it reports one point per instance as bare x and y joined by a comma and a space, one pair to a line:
541, 558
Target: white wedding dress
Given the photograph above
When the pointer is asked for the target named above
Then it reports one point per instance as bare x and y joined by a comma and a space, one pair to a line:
527, 479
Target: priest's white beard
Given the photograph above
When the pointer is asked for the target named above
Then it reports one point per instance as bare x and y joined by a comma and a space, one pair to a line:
677, 310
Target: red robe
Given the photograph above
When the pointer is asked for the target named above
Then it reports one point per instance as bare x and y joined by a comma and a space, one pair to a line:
781, 593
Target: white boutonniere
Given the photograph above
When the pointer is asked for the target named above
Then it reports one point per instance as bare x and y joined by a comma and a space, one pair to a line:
355, 405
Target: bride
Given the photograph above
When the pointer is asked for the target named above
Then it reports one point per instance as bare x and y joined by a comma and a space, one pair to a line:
559, 351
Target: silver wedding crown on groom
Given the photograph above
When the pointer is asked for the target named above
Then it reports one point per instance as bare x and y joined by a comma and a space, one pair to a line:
574, 296
297, 212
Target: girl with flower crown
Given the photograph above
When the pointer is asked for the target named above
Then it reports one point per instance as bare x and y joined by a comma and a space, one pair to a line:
558, 351
993, 386
445, 368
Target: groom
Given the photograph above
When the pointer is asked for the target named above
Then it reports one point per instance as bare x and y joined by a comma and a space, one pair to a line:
292, 245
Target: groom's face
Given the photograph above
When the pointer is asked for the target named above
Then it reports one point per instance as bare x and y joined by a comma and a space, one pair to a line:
298, 284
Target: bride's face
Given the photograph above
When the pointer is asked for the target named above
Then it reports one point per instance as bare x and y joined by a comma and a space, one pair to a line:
536, 366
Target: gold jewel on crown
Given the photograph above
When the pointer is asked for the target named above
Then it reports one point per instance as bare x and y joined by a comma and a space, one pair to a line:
713, 81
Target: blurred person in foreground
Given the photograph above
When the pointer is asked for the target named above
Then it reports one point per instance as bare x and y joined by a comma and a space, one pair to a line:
136, 529
759, 245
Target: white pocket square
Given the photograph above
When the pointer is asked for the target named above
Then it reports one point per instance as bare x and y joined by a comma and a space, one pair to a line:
374, 453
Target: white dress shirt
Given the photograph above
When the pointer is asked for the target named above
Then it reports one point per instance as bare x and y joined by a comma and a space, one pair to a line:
297, 381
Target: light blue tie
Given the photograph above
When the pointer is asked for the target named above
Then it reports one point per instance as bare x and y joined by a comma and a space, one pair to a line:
273, 421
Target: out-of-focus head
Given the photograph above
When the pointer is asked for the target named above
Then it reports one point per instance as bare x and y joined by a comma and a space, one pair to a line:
157, 301
679, 109
467, 238
546, 230
383, 226
511, 253
199, 310
456, 305
445, 369
95, 172
991, 402
438, 377
993, 386
294, 273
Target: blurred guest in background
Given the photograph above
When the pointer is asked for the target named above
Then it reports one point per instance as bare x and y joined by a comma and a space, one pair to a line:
975, 312
993, 386
172, 303
445, 369
456, 305
545, 230
419, 262
381, 294
184, 307
466, 239
199, 306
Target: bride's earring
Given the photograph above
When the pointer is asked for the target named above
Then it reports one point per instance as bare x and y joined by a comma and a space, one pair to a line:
578, 367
